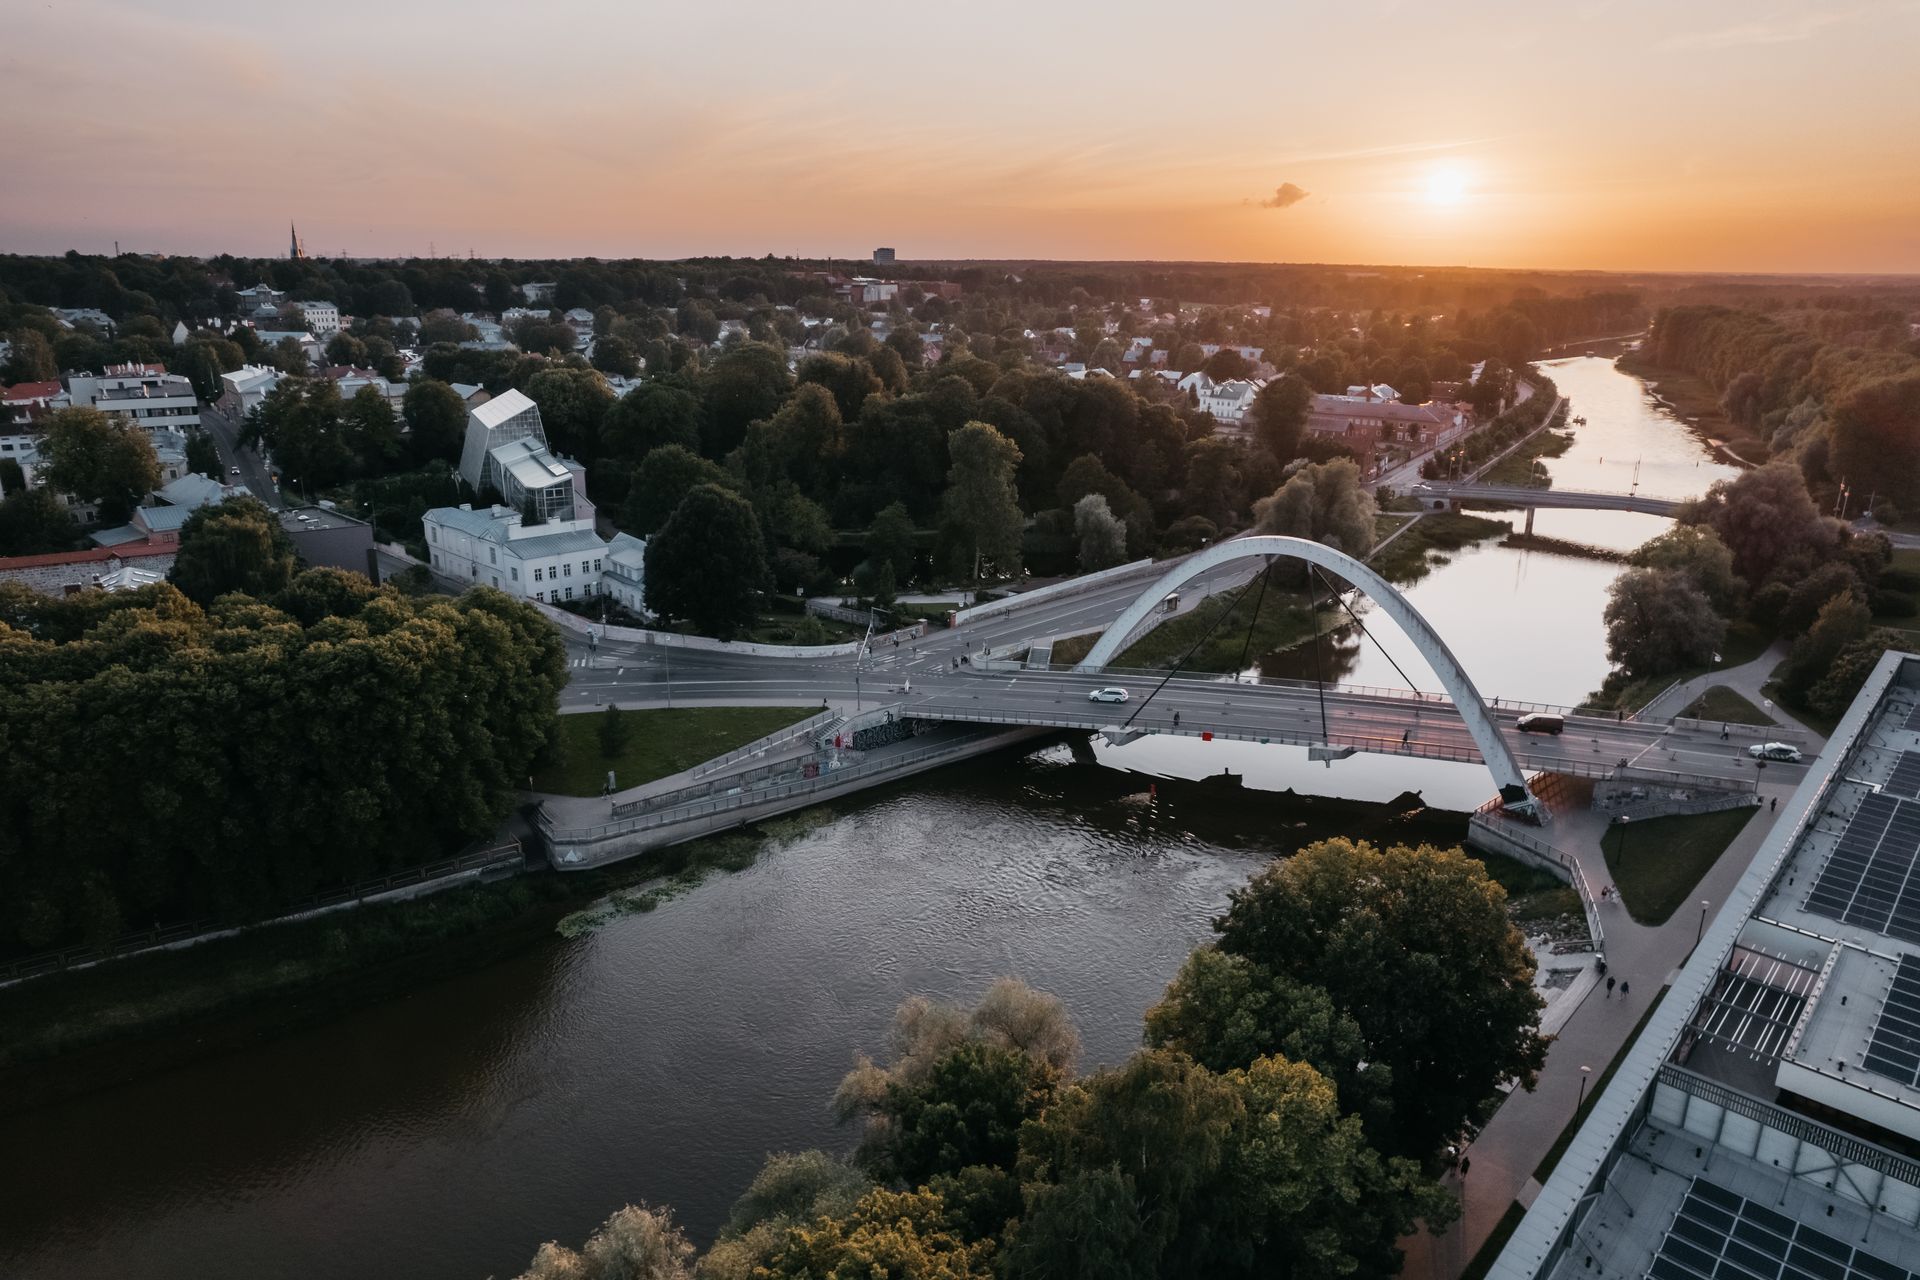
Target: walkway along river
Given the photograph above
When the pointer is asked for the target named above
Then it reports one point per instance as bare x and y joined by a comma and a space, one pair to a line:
447, 1133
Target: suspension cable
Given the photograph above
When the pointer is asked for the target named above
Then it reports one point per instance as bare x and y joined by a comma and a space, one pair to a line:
1254, 621
1319, 671
1191, 650
1376, 642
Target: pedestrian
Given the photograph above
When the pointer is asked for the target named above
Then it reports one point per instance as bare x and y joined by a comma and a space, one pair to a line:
1176, 719
1623, 988
1466, 1162
1723, 733
1609, 988
1773, 804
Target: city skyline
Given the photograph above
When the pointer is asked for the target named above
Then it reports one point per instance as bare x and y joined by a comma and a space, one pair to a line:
1770, 139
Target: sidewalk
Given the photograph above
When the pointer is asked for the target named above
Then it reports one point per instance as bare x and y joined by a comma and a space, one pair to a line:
1526, 1126
1746, 680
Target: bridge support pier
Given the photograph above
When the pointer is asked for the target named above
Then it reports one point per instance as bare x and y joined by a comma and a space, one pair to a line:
1530, 511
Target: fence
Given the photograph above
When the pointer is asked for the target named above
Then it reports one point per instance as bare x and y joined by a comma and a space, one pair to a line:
669, 639
1500, 836
183, 935
1072, 586
819, 720
1762, 732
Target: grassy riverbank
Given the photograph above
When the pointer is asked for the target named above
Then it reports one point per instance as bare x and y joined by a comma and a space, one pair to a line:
658, 743
1725, 705
1421, 549
1695, 402
1743, 644
1517, 468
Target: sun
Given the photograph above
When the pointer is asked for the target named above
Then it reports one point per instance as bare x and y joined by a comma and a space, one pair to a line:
1446, 186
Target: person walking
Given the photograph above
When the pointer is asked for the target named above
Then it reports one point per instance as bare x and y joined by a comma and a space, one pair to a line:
1466, 1162
1609, 988
1773, 804
1623, 988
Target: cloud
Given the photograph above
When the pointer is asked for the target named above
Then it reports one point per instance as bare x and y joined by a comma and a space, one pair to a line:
1284, 196
1788, 28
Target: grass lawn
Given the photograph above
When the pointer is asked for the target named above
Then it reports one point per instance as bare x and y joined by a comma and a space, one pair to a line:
1743, 644
1656, 862
1594, 1090
1517, 467
659, 742
1533, 893
1283, 621
1727, 705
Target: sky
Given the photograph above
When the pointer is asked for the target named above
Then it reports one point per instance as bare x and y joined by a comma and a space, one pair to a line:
1683, 135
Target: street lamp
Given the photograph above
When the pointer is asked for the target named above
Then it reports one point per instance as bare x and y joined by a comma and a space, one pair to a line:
1584, 1073
1701, 931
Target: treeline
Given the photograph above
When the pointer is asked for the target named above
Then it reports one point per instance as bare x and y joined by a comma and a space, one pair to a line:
168, 759
1837, 389
1304, 1077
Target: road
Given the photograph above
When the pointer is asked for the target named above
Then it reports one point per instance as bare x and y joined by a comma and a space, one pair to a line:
254, 472
1515, 496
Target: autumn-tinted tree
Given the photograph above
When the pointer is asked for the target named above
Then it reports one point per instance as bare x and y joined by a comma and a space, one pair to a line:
1415, 946
899, 1235
708, 563
636, 1243
100, 459
235, 545
1657, 621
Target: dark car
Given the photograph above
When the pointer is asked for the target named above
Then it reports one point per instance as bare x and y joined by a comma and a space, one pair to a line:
1541, 722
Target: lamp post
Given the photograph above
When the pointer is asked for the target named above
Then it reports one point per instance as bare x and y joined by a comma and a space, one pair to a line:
1701, 931
1585, 1071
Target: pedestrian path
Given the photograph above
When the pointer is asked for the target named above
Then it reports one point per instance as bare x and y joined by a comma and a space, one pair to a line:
1748, 680
1642, 958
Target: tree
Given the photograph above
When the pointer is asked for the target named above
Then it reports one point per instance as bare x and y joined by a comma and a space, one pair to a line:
849, 379
980, 501
895, 1235
650, 417
1415, 946
1216, 481
299, 420
1763, 516
33, 522
636, 1243
1696, 551
1658, 621
372, 433
1843, 622
345, 349
790, 1191
890, 541
436, 420
573, 403
31, 359
1161, 1168
1103, 539
1227, 364
1280, 416
615, 356
99, 459
744, 384
661, 481
1325, 502
708, 563
203, 456
1876, 437
235, 545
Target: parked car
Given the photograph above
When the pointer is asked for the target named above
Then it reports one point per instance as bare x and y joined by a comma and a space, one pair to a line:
1107, 695
234, 471
1774, 751
1541, 722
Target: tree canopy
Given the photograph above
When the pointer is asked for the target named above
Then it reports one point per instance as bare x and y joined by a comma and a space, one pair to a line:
234, 545
708, 563
99, 458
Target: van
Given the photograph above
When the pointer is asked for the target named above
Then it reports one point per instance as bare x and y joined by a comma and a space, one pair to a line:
1540, 722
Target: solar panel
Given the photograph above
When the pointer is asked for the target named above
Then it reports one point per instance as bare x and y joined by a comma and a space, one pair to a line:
1905, 779
1913, 718
1717, 1235
1894, 1050
1869, 877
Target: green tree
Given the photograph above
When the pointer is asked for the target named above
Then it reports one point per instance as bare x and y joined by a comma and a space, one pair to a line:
849, 379
436, 420
888, 1235
890, 541
615, 356
573, 404
650, 417
1415, 946
666, 476
742, 385
299, 420
1764, 516
1696, 551
100, 459
371, 431
790, 1191
33, 522
31, 359
235, 545
708, 563
1280, 416
1325, 502
1657, 621
203, 456
1216, 481
980, 501
345, 349
1102, 538
1876, 437
636, 1243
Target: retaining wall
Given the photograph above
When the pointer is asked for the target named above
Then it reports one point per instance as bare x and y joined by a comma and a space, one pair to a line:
1072, 586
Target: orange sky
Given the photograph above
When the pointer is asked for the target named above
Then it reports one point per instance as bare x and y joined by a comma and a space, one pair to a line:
1697, 135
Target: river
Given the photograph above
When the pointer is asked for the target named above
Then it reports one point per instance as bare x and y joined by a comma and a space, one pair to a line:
447, 1133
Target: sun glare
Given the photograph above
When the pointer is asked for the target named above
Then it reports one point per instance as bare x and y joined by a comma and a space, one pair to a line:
1446, 186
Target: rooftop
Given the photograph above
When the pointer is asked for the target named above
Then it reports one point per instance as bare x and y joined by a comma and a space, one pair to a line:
501, 407
317, 518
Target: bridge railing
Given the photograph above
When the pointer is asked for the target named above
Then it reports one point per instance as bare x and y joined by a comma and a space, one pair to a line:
1500, 831
1362, 690
779, 737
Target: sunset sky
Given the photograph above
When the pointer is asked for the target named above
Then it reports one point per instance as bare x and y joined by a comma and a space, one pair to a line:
1693, 135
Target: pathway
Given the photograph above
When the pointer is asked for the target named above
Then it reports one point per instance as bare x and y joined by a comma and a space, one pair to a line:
1504, 1156
1748, 680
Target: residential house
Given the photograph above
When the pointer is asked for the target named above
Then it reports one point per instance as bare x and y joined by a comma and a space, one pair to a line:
322, 319
1231, 402
73, 317
539, 290
246, 387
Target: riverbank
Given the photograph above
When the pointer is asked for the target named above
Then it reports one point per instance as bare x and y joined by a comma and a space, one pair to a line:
1694, 401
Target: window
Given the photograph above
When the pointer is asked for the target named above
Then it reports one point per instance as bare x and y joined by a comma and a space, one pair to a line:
567, 569
496, 579
493, 555
515, 574
537, 573
569, 593
584, 571
541, 596
587, 590
596, 566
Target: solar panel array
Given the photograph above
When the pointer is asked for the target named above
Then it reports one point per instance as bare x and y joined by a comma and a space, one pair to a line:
1717, 1235
1869, 878
1894, 1050
1913, 718
1905, 779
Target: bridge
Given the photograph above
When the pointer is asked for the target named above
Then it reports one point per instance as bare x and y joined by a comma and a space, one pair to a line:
967, 690
1437, 495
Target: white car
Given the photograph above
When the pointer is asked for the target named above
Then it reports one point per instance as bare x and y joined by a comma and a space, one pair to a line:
234, 471
1107, 695
1774, 751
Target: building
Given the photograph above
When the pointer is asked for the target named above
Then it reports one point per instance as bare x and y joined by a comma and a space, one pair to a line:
883, 255
539, 290
863, 291
246, 387
143, 393
626, 575
296, 248
324, 538
322, 319
559, 560
506, 452
1230, 402
1366, 424
68, 572
1766, 1121
255, 296
93, 317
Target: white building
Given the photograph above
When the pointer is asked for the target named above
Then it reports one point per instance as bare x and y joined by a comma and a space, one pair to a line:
1230, 401
144, 393
72, 317
247, 386
322, 318
554, 562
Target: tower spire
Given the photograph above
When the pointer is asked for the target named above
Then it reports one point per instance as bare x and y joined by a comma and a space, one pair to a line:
294, 250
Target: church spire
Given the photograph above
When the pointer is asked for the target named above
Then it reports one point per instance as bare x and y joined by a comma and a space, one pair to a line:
294, 250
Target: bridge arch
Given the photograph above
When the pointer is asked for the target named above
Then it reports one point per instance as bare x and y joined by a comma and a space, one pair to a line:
1453, 677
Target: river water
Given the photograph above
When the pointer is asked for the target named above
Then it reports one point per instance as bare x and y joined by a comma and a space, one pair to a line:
447, 1133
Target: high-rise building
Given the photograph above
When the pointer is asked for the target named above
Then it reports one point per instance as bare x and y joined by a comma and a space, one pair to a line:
883, 255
